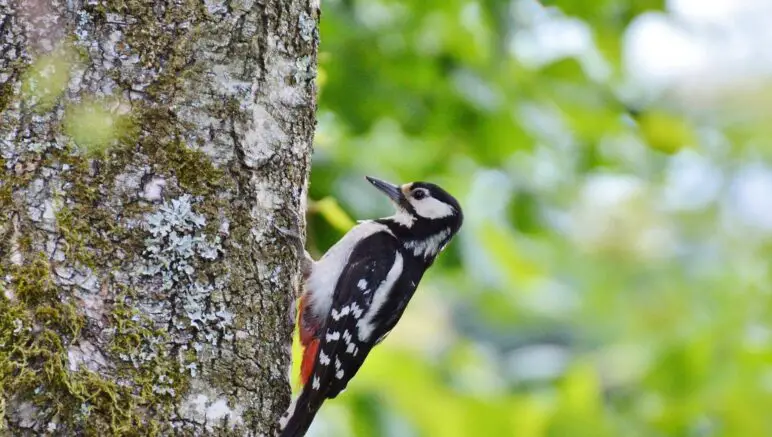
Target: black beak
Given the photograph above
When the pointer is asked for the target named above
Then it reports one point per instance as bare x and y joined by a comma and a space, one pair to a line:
388, 189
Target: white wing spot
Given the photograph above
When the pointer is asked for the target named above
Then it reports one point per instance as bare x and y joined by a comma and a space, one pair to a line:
337, 363
339, 374
324, 359
332, 336
315, 384
356, 311
351, 349
362, 284
347, 336
336, 315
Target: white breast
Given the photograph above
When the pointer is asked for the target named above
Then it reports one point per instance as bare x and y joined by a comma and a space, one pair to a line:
320, 285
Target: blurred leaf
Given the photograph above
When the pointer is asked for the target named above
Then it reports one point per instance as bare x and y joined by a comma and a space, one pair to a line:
581, 390
503, 247
566, 68
334, 214
665, 132
531, 417
580, 412
414, 388
616, 12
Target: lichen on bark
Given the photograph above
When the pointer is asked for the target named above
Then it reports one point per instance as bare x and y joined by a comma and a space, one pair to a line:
145, 286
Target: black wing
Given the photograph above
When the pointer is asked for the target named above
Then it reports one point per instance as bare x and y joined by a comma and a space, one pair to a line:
374, 267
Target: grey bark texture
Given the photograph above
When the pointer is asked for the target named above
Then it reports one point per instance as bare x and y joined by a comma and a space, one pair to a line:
152, 154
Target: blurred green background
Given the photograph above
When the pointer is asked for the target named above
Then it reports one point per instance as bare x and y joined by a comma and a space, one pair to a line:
612, 156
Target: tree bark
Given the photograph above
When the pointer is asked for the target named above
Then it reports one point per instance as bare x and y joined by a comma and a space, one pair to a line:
152, 154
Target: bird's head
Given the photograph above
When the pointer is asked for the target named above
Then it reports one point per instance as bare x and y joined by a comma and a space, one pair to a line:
422, 208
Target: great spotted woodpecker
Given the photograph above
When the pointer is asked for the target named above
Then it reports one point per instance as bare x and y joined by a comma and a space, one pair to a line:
356, 293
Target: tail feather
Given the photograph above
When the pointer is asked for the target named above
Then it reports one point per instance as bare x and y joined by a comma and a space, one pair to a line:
299, 416
301, 413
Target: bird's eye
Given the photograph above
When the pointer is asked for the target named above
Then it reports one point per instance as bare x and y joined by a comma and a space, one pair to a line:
419, 194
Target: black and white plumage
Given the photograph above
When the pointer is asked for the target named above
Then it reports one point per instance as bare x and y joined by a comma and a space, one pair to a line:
356, 293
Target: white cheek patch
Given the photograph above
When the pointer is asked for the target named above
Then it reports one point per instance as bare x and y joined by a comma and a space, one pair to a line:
431, 208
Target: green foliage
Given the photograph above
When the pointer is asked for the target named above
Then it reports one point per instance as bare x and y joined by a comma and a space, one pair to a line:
665, 133
579, 298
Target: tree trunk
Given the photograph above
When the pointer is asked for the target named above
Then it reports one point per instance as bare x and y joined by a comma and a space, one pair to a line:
152, 154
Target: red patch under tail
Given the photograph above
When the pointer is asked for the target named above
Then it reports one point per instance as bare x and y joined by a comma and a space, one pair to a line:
308, 340
309, 358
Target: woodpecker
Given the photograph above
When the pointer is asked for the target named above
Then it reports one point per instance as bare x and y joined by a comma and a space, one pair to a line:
356, 293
